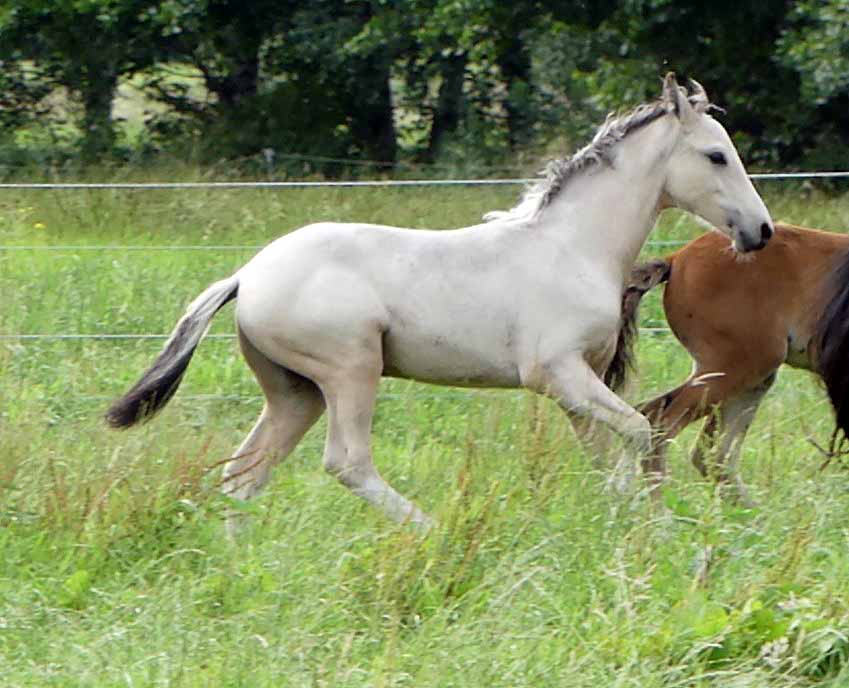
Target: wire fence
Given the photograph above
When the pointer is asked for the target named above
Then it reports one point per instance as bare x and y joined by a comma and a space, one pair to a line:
72, 248
149, 186
142, 186
65, 336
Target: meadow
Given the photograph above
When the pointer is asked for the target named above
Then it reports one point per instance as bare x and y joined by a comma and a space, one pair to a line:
114, 568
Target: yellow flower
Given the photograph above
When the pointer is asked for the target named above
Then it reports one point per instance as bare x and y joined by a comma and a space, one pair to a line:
39, 225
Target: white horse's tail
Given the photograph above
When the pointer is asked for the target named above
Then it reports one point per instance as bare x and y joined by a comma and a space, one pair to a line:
160, 381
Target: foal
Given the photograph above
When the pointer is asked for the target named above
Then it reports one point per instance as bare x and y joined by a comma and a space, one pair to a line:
531, 299
740, 320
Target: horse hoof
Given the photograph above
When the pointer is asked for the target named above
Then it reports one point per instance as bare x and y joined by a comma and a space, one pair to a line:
621, 484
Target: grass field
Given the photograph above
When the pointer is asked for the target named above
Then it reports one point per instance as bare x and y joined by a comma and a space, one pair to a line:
115, 572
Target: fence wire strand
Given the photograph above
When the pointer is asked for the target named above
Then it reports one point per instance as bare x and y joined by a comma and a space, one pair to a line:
77, 336
26, 337
140, 186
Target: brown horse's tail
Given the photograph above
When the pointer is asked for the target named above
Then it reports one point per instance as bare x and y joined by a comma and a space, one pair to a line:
644, 277
831, 339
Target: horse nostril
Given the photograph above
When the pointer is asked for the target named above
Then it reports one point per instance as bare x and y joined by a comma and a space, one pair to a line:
766, 231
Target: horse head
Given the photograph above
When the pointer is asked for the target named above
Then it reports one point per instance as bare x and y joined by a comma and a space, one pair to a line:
705, 174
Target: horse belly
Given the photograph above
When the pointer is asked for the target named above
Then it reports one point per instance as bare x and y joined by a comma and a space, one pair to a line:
469, 359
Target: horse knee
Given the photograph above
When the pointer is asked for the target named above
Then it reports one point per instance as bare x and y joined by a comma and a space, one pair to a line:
638, 431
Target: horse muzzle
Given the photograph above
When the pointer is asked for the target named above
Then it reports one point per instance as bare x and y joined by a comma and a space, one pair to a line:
746, 242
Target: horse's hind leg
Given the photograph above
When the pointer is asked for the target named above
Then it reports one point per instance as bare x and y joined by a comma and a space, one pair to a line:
293, 404
674, 410
734, 417
730, 405
705, 444
351, 392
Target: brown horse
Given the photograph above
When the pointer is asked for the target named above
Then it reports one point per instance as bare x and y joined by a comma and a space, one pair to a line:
740, 320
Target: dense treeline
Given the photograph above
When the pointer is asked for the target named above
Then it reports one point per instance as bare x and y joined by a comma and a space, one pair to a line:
454, 81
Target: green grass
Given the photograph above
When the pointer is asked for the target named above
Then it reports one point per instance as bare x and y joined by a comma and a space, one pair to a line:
115, 572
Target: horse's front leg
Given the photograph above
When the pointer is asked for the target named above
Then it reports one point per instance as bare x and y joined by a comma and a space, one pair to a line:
573, 384
596, 438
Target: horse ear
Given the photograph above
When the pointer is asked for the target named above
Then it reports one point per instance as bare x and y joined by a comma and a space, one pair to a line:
698, 97
676, 97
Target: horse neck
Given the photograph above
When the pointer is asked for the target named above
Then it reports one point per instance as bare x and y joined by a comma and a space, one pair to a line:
612, 210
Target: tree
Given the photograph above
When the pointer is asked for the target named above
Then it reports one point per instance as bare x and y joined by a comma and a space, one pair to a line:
224, 39
816, 45
713, 43
85, 46
485, 57
476, 78
21, 95
285, 75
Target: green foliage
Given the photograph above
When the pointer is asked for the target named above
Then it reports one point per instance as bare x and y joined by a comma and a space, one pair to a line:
816, 44
774, 627
21, 95
75, 589
425, 81
84, 47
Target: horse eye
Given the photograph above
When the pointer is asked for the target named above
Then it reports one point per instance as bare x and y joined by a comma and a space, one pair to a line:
717, 158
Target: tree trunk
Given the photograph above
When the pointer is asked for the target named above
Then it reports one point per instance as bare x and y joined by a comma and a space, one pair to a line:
372, 115
238, 85
449, 105
97, 92
515, 65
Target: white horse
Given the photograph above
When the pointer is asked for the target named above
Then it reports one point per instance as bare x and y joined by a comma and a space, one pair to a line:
530, 299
